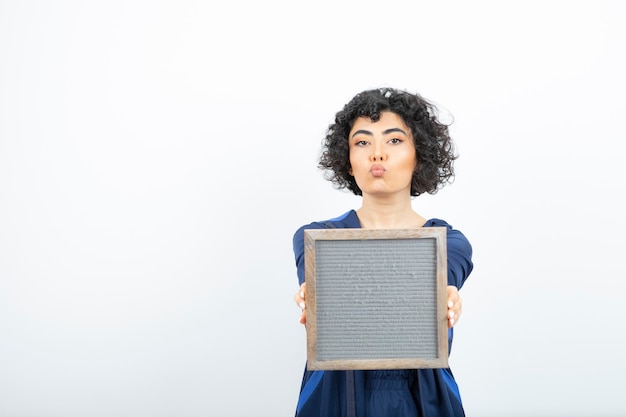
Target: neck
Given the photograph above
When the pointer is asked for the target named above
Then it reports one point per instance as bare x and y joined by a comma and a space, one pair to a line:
389, 214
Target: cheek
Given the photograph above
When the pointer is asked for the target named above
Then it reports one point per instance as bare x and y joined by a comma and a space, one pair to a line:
353, 162
411, 161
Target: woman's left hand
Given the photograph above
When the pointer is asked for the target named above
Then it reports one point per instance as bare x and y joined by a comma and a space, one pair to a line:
455, 305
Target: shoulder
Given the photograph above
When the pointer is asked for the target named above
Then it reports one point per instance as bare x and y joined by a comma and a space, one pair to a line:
459, 250
347, 220
455, 239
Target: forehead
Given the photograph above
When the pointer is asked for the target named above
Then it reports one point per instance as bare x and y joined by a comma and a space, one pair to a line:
386, 121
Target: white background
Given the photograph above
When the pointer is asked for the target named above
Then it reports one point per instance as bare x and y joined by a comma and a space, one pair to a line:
157, 156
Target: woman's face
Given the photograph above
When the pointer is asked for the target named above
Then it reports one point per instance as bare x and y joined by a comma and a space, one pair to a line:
382, 155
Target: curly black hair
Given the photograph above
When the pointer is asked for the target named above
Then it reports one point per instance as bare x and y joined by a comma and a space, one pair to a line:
433, 146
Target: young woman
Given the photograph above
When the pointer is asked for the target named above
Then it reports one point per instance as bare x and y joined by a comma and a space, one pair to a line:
387, 146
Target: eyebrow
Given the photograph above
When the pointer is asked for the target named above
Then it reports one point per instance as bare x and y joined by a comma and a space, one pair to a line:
386, 132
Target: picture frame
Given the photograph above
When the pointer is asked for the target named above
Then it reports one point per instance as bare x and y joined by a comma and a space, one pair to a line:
376, 298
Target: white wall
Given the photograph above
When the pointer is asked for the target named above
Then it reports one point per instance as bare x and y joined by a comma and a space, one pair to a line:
156, 158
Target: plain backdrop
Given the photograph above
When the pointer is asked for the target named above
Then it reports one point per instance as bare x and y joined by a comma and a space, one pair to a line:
156, 158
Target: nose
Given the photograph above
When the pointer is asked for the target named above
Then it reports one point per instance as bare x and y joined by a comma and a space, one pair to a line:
378, 153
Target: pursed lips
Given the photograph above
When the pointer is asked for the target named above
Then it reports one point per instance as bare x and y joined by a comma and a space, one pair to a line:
377, 170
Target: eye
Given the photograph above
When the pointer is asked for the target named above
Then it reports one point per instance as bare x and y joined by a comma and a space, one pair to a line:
395, 141
361, 143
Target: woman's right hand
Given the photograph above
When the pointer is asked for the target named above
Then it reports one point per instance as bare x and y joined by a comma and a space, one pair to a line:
299, 298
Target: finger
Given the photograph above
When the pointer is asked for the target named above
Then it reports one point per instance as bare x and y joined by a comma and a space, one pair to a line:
303, 291
452, 294
454, 313
299, 297
299, 301
454, 305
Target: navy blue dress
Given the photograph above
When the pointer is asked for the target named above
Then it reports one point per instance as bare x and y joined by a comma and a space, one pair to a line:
385, 393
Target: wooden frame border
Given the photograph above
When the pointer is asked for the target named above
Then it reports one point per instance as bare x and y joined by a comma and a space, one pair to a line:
311, 236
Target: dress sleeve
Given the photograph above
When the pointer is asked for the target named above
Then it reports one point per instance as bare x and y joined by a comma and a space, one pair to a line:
298, 251
460, 263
